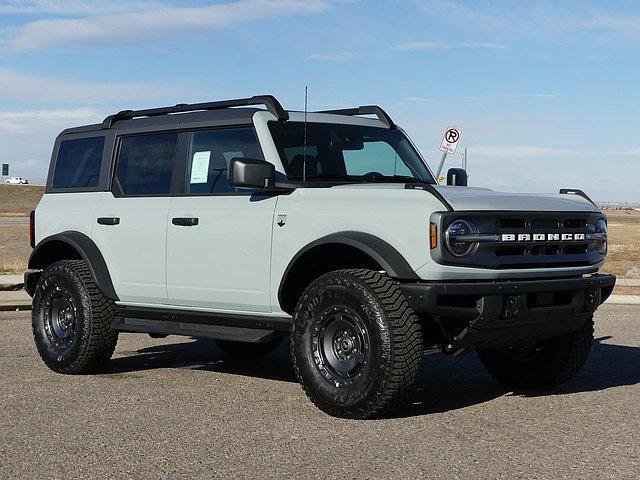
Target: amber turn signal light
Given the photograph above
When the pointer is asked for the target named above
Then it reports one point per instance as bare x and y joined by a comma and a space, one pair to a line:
433, 235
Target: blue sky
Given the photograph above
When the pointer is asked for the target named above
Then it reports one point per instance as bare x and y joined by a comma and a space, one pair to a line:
547, 92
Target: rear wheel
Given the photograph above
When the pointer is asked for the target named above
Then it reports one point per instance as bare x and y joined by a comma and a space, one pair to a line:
546, 364
248, 350
356, 346
71, 319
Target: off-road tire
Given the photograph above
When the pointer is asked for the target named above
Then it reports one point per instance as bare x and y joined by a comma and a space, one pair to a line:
559, 359
92, 340
395, 344
248, 350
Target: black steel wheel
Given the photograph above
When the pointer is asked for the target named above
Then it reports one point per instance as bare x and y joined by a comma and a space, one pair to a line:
71, 319
59, 311
341, 344
356, 346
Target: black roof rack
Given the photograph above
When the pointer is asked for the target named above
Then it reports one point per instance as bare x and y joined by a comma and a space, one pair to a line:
269, 101
365, 110
578, 192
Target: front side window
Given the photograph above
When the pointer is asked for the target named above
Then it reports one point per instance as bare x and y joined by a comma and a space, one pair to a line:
209, 158
78, 163
347, 153
145, 163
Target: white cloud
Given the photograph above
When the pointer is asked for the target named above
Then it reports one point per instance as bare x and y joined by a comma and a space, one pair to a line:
507, 152
523, 151
411, 46
72, 7
534, 96
146, 25
27, 136
539, 18
424, 46
33, 89
31, 121
418, 99
331, 57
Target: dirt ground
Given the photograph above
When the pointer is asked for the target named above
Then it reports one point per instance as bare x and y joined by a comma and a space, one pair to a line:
14, 248
624, 243
19, 200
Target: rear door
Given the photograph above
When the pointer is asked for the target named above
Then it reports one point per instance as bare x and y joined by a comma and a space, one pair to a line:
219, 237
131, 220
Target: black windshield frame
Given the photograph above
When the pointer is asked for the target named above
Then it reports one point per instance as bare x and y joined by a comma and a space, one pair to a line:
324, 157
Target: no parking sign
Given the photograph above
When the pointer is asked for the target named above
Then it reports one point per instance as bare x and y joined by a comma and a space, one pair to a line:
450, 139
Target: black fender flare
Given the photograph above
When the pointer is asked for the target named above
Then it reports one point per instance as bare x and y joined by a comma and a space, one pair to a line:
385, 255
40, 258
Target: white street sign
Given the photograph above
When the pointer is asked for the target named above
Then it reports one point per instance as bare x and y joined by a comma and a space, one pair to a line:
450, 139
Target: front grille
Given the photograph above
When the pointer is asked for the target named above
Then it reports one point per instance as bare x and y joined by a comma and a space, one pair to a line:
503, 254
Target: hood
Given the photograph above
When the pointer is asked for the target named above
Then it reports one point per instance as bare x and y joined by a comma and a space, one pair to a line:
466, 198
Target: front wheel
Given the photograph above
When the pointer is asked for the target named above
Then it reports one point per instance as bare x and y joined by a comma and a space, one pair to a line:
356, 346
546, 364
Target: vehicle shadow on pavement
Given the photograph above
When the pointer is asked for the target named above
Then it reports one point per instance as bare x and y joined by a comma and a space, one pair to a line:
608, 366
202, 354
446, 383
449, 383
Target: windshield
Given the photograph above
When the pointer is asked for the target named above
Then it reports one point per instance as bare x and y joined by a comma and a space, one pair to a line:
352, 153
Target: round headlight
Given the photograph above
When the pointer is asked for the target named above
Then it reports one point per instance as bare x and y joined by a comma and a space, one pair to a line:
601, 227
458, 247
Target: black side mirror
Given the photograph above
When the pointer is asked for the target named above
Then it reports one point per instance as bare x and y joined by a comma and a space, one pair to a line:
457, 177
252, 173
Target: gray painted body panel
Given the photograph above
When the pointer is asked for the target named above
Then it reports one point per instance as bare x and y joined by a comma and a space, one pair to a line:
467, 198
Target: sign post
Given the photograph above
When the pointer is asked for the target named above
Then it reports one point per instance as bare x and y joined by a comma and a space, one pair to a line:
5, 169
449, 143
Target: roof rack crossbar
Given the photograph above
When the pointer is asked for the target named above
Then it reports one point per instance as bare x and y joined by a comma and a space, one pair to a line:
269, 101
365, 110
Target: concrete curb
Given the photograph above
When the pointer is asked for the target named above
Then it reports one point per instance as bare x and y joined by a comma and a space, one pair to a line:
623, 299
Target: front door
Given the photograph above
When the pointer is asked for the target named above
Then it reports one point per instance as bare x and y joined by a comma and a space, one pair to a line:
219, 237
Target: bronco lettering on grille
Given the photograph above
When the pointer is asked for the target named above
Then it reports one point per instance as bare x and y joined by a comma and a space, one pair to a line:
542, 237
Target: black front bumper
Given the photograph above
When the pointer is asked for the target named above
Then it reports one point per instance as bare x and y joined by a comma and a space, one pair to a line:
508, 313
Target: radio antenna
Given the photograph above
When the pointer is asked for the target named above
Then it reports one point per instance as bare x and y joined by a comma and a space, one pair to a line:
304, 148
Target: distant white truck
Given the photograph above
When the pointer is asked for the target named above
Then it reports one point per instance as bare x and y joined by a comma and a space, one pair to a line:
17, 181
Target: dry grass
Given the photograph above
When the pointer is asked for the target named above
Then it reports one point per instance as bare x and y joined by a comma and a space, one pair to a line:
627, 290
623, 259
14, 249
19, 200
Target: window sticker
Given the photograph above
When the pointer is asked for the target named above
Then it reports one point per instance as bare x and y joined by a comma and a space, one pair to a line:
200, 167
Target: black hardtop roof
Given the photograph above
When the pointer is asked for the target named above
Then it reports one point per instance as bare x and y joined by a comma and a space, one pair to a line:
221, 112
222, 117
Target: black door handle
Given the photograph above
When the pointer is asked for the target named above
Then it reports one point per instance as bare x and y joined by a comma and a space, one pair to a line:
109, 220
185, 221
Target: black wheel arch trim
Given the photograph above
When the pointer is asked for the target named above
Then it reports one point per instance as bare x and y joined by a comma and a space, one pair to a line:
379, 250
89, 252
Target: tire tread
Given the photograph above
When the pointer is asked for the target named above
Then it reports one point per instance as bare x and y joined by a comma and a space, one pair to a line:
405, 338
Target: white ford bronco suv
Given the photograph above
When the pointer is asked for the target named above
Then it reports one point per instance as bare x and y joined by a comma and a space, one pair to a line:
245, 223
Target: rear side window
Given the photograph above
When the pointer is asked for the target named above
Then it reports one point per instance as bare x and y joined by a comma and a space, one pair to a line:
145, 163
78, 163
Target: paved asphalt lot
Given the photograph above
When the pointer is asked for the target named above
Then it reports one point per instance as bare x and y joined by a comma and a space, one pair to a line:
177, 408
